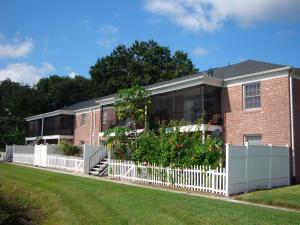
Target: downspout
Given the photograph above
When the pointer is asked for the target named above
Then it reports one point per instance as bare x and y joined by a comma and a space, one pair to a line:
42, 130
94, 127
292, 123
91, 116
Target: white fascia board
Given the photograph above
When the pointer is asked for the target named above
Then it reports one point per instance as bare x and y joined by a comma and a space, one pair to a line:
253, 77
86, 110
54, 113
49, 137
204, 79
106, 101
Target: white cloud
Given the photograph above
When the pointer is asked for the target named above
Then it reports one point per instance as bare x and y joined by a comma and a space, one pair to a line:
72, 74
105, 42
209, 15
108, 28
16, 50
26, 73
199, 51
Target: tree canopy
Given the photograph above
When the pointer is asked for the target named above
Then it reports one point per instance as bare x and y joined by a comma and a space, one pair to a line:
18, 101
140, 64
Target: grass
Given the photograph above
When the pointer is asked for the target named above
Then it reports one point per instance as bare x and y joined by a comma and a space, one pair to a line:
285, 197
52, 198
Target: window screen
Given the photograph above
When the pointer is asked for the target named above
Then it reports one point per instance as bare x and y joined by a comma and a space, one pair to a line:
82, 119
252, 95
254, 139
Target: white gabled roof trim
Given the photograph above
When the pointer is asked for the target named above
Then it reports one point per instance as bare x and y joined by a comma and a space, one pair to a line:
106, 101
48, 114
204, 79
260, 76
88, 109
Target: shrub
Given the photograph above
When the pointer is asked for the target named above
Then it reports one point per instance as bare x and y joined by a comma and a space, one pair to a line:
168, 147
67, 149
118, 142
147, 148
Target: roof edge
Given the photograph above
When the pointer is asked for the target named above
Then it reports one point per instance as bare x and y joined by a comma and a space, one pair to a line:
49, 114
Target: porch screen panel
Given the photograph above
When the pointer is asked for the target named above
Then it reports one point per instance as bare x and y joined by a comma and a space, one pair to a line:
212, 104
188, 104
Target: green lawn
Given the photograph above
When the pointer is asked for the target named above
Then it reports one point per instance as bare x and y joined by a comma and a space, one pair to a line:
51, 198
286, 197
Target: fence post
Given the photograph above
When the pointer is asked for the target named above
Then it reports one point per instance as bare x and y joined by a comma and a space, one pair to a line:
213, 180
13, 152
227, 169
270, 166
246, 167
5, 156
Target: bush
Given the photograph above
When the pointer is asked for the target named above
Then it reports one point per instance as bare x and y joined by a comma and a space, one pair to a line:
170, 147
67, 149
167, 147
147, 148
118, 143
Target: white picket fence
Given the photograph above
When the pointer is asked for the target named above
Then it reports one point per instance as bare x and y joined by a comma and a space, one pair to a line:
200, 178
24, 158
69, 163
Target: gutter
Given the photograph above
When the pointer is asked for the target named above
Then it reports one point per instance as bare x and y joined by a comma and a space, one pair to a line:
292, 121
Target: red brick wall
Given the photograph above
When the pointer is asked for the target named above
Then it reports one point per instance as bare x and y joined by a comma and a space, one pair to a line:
296, 99
272, 120
82, 133
111, 116
97, 127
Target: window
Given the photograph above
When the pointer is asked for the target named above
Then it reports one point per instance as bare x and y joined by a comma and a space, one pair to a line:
253, 139
82, 119
104, 118
252, 95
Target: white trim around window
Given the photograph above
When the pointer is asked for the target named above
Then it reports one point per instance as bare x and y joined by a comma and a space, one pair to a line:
252, 96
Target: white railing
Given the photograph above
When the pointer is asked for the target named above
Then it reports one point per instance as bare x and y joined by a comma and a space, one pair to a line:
198, 178
97, 156
23, 158
8, 151
69, 163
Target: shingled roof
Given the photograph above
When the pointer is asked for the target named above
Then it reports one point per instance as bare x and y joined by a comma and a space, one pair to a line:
234, 70
86, 104
242, 68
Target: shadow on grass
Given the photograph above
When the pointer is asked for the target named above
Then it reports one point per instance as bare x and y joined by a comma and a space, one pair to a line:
13, 214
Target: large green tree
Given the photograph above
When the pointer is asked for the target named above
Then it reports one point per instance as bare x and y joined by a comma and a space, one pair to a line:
140, 64
58, 91
17, 101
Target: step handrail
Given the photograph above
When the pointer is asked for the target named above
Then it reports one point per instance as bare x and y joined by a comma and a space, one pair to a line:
96, 157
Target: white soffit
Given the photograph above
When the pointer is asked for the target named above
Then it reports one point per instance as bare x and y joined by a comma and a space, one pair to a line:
49, 114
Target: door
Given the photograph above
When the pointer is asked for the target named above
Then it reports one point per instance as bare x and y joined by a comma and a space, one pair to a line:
40, 155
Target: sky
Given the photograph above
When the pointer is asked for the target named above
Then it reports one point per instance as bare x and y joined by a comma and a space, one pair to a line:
40, 38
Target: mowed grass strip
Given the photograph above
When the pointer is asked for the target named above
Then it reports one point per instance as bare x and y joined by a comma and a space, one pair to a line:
288, 197
66, 199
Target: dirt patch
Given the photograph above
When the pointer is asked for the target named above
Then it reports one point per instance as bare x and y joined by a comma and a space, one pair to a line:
12, 213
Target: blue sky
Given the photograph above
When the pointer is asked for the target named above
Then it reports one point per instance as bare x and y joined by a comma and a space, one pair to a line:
39, 38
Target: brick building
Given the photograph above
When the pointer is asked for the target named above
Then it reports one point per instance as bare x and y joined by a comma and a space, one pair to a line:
252, 101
